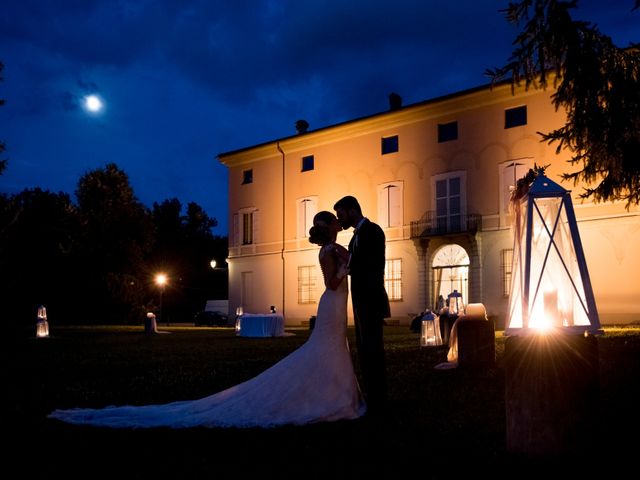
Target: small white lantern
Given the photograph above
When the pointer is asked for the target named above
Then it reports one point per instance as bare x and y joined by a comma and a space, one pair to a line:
42, 326
150, 324
430, 335
454, 302
239, 312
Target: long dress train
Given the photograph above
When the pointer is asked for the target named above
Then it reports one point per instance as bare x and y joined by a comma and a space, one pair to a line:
314, 383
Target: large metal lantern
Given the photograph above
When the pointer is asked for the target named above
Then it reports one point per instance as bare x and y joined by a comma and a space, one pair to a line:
551, 352
550, 283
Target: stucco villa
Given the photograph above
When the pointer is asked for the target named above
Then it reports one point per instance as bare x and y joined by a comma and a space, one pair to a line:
437, 176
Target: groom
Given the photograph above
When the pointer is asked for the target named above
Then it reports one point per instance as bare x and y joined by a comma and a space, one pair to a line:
369, 299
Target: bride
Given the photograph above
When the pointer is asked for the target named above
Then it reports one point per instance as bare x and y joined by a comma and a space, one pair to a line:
315, 383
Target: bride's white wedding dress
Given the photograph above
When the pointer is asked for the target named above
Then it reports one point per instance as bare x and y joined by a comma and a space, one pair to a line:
315, 383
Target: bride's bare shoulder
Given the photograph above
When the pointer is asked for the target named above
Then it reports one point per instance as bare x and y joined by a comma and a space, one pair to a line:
333, 250
326, 251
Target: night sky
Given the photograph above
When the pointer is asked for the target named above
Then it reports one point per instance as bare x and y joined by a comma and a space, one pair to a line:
182, 81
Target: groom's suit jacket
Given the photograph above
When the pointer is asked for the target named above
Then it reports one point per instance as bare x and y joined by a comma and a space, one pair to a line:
367, 249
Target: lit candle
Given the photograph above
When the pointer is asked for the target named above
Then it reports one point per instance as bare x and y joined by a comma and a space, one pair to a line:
551, 313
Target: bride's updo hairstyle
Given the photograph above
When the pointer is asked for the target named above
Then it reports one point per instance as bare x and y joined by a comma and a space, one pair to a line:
319, 233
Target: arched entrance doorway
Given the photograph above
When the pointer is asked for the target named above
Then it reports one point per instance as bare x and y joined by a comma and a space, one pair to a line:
450, 268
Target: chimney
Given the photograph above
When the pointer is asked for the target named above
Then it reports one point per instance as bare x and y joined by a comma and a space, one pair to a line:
395, 101
301, 126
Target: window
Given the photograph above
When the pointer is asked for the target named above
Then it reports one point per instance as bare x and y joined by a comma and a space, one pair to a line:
506, 264
393, 278
450, 206
307, 163
514, 117
247, 176
247, 228
390, 204
246, 291
447, 132
450, 268
389, 144
307, 209
306, 284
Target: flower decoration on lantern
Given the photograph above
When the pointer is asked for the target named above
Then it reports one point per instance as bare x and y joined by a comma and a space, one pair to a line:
550, 287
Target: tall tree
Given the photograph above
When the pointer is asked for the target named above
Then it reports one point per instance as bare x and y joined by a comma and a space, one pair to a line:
597, 84
167, 220
203, 247
198, 222
117, 235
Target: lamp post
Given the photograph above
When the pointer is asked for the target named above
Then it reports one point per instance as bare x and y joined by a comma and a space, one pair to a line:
161, 281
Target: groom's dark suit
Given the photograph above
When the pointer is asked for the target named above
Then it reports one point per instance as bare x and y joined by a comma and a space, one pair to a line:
370, 307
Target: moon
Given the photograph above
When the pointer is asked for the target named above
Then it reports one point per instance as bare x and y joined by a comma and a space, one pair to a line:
93, 103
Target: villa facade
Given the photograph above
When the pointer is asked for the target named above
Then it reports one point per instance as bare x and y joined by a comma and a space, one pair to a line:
436, 176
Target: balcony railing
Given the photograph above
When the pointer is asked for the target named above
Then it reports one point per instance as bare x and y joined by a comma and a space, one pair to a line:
431, 225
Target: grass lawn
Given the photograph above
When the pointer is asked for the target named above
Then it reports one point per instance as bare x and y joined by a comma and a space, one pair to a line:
442, 423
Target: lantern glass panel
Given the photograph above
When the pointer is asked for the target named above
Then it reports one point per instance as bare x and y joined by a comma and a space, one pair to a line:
548, 288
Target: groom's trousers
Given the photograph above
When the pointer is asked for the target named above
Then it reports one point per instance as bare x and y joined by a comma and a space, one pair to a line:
371, 358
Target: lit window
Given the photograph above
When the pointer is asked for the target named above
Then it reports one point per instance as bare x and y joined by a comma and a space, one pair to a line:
393, 278
247, 176
306, 284
514, 117
447, 132
307, 163
389, 144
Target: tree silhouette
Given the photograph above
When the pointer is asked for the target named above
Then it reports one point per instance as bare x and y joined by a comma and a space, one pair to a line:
3, 162
598, 85
184, 247
36, 250
93, 261
116, 237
